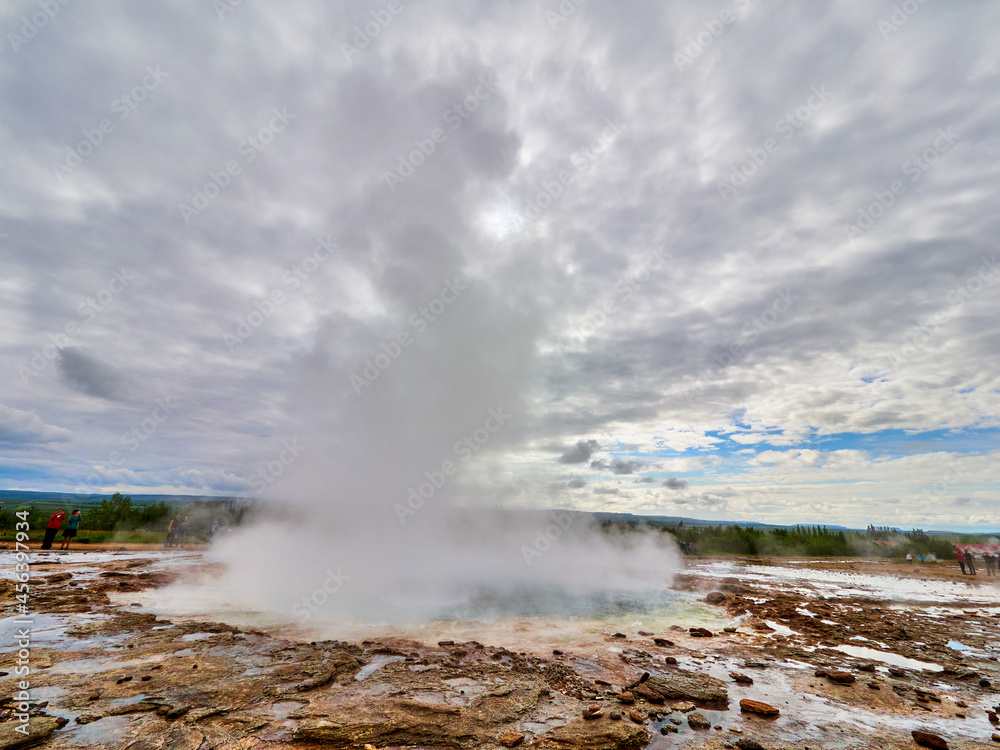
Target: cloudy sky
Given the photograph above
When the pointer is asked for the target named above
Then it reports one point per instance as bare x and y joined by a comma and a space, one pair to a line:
727, 260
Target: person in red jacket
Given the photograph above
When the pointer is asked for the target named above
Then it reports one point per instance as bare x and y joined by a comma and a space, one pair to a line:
961, 559
55, 521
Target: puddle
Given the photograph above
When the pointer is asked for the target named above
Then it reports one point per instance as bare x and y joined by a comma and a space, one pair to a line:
93, 666
104, 731
957, 646
378, 661
283, 709
887, 657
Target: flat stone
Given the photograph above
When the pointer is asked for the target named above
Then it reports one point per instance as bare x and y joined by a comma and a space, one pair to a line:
758, 707
680, 685
841, 678
40, 728
741, 678
716, 597
697, 720
928, 739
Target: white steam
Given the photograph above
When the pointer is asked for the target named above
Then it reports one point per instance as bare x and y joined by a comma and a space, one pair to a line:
417, 373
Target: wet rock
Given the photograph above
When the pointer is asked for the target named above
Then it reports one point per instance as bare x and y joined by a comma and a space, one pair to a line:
683, 707
729, 630
701, 632
984, 682
758, 624
557, 652
758, 707
642, 632
841, 678
642, 678
40, 728
680, 685
874, 685
928, 739
668, 729
647, 694
748, 744
615, 716
625, 697
176, 712
866, 667
992, 716
741, 678
614, 735
716, 597
618, 635
511, 739
593, 712
663, 642
995, 737
697, 720
897, 672
670, 660
637, 717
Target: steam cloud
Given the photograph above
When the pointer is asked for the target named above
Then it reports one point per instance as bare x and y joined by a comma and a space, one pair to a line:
403, 393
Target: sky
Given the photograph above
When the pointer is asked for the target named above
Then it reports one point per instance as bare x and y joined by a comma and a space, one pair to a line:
724, 260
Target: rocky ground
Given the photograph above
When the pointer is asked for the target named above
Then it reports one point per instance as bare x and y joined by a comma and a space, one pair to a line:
105, 675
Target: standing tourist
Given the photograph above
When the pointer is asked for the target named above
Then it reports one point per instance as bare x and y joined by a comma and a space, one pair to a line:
171, 531
55, 521
969, 557
961, 559
72, 526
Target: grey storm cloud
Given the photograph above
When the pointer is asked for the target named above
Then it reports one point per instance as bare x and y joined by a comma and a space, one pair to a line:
617, 465
88, 374
580, 452
674, 483
575, 484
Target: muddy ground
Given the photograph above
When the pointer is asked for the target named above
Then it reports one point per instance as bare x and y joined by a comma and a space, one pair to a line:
106, 675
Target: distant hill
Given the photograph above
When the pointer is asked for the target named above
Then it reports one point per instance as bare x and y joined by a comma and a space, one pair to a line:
46, 499
10, 498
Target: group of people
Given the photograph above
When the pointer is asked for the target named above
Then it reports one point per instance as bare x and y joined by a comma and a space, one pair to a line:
176, 531
55, 522
966, 559
688, 548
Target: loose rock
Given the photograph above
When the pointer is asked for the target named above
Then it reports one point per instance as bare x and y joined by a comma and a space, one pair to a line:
758, 707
